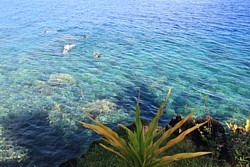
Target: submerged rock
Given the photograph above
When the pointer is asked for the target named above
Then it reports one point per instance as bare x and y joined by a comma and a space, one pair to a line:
61, 79
42, 87
10, 152
100, 107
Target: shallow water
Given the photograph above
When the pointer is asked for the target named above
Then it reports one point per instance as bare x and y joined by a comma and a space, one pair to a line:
199, 48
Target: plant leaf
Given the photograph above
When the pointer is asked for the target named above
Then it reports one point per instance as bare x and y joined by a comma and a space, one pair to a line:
113, 151
171, 130
108, 133
180, 137
168, 159
154, 124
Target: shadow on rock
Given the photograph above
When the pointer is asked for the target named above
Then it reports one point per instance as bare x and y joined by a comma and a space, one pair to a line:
46, 145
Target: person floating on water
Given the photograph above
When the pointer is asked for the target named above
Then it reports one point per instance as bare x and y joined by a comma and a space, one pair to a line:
97, 55
47, 31
66, 48
85, 36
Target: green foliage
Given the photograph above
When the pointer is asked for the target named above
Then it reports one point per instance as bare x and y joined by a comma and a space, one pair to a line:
144, 147
241, 150
98, 156
239, 137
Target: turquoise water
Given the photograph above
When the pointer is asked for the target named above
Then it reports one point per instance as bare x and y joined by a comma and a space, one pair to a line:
199, 48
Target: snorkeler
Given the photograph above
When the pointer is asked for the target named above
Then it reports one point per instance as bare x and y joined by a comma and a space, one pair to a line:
85, 36
97, 55
47, 31
66, 48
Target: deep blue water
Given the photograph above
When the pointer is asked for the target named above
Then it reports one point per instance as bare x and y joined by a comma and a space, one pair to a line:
200, 48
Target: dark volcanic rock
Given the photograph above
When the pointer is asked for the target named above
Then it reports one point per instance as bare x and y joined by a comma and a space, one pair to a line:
210, 136
69, 163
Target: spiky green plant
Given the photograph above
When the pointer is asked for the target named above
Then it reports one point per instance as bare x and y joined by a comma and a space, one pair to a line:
144, 148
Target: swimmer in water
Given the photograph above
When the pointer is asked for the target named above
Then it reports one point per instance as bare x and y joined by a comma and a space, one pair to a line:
48, 31
85, 36
66, 48
97, 55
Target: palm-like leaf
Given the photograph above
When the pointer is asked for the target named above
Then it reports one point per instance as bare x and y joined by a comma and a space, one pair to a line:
141, 149
162, 162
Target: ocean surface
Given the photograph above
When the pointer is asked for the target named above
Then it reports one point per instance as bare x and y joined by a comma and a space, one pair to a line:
200, 48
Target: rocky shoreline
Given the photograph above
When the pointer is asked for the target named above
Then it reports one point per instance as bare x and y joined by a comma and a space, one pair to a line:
212, 136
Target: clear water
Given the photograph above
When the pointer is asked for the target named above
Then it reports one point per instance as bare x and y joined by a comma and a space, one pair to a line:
199, 48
